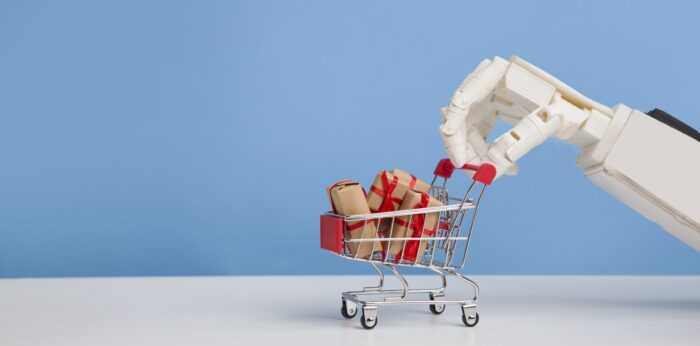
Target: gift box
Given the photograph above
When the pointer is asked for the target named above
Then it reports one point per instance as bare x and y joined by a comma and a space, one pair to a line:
421, 225
390, 187
414, 183
348, 198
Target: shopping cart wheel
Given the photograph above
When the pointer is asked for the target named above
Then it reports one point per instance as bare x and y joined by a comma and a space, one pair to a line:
436, 308
348, 310
369, 317
470, 321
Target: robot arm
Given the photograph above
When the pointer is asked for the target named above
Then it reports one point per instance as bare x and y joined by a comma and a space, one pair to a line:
616, 144
539, 105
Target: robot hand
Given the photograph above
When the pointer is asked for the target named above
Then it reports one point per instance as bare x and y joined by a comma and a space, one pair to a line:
616, 144
521, 94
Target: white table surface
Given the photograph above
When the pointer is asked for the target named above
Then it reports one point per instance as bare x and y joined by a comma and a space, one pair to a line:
305, 310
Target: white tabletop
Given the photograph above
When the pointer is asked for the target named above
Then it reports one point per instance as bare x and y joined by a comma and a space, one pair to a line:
305, 310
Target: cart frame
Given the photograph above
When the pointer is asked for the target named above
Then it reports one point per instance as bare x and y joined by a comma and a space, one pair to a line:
438, 256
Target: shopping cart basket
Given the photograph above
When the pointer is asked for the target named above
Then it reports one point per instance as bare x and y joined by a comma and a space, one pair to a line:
445, 248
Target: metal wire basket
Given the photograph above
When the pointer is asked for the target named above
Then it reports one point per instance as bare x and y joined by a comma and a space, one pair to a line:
442, 250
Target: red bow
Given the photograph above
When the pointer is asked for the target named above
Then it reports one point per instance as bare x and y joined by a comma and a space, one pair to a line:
388, 202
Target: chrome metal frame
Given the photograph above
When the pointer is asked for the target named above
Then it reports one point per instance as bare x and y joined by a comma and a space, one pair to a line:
446, 251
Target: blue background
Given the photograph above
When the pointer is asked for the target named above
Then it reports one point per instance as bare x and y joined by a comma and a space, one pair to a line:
197, 137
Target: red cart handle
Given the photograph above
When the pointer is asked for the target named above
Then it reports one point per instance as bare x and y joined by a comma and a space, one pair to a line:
484, 173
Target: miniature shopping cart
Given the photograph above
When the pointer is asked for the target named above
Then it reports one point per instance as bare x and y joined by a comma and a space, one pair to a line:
445, 252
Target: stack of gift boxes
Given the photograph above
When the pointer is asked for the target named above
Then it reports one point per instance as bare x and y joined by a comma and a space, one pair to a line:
391, 190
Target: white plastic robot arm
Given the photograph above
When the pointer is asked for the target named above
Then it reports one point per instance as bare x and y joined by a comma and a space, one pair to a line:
615, 143
538, 104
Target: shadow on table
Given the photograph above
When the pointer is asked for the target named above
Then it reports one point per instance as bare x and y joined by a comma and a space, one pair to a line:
414, 313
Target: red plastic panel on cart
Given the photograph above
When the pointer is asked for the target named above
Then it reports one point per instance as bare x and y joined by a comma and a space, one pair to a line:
332, 233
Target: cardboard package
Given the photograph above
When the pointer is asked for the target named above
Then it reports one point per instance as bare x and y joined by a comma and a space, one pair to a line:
390, 187
414, 183
426, 222
348, 198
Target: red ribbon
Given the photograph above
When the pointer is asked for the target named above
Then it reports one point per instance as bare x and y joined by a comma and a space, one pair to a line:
409, 251
413, 181
388, 201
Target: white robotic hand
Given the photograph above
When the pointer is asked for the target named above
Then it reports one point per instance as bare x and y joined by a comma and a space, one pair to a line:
647, 161
537, 104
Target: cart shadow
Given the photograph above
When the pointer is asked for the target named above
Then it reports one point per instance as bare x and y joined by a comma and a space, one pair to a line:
335, 315
388, 319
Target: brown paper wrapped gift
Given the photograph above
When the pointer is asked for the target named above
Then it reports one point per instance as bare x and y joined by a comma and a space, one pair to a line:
390, 187
348, 198
414, 183
427, 223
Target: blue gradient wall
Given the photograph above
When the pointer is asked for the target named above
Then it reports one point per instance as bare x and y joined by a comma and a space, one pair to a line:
196, 138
